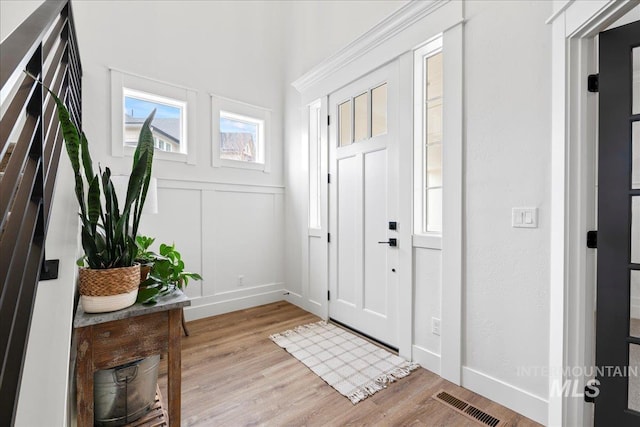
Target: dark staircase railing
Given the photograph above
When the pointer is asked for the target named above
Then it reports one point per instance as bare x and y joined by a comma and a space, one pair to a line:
31, 141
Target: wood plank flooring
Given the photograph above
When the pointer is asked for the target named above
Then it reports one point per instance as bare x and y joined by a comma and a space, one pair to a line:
234, 375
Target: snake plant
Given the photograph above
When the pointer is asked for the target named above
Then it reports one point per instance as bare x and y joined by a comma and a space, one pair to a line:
109, 228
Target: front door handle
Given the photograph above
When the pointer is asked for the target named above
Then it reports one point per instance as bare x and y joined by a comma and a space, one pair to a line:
391, 242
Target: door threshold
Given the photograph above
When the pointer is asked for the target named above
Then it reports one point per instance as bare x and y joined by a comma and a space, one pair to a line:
365, 336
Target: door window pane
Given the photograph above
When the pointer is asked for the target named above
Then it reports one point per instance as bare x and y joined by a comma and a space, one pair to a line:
634, 311
434, 122
379, 110
635, 148
634, 377
344, 121
635, 229
361, 127
434, 76
432, 128
636, 81
434, 165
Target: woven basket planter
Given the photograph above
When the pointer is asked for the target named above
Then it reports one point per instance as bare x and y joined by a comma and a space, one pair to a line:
111, 289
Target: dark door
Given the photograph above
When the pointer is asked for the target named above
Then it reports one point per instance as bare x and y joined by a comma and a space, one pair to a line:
618, 293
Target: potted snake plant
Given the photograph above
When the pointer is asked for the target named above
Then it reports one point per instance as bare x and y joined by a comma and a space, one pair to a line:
109, 275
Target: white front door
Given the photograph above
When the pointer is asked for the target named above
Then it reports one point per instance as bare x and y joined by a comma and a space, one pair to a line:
363, 202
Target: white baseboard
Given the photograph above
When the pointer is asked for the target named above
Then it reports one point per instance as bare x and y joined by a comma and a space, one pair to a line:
426, 358
512, 397
213, 306
310, 306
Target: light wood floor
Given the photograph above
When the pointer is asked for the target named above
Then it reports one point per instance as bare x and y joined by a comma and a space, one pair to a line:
233, 375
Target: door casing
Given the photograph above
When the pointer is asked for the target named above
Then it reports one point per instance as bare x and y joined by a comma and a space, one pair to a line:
573, 177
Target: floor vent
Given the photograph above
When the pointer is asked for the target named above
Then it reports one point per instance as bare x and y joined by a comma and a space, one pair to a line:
467, 410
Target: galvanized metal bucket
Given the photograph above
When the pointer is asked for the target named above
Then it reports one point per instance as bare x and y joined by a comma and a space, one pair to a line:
125, 393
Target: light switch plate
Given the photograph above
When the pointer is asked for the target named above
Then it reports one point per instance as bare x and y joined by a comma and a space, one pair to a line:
524, 217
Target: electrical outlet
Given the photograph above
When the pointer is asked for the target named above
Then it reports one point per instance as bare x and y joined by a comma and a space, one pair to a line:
435, 326
240, 279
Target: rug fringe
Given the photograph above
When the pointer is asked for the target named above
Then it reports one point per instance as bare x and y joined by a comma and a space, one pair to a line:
381, 382
297, 329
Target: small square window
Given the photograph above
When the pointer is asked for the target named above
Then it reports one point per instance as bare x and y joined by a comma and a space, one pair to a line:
167, 126
173, 127
240, 133
241, 138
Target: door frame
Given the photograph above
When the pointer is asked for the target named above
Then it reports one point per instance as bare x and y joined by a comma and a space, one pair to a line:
395, 38
573, 181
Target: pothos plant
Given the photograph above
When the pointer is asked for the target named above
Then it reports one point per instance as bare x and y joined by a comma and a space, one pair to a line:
108, 228
145, 255
167, 273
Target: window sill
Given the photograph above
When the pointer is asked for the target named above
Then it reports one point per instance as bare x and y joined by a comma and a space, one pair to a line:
159, 155
427, 241
237, 164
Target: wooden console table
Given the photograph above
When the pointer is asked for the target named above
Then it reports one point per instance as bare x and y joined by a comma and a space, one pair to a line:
107, 340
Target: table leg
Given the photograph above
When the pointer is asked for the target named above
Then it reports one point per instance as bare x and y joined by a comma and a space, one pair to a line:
84, 375
174, 366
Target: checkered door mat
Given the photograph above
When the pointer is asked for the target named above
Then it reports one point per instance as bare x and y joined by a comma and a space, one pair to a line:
353, 366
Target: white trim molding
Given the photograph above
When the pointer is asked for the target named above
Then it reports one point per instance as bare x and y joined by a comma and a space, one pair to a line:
208, 306
521, 401
453, 196
427, 359
410, 27
395, 23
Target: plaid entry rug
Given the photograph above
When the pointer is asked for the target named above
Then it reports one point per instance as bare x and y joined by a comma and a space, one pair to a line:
353, 366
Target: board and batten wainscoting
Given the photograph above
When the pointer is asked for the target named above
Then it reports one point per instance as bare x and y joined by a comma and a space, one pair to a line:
231, 234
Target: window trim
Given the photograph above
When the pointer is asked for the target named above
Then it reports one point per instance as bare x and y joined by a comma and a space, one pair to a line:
431, 48
121, 82
246, 111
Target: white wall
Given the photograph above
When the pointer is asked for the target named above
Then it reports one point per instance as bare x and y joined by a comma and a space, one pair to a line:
214, 215
507, 72
427, 296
